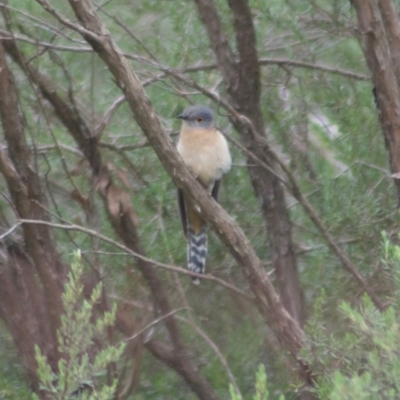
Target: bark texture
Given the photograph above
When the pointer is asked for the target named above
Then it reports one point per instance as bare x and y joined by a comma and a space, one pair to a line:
267, 300
242, 82
31, 270
123, 219
379, 34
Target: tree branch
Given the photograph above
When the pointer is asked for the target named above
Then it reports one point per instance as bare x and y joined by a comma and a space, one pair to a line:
377, 44
290, 183
121, 215
93, 233
242, 82
268, 301
265, 61
23, 184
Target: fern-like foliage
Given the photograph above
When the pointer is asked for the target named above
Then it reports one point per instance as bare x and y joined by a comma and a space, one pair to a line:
82, 366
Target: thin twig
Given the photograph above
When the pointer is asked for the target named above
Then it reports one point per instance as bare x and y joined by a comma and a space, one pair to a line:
155, 322
66, 21
265, 61
291, 183
9, 231
106, 239
216, 350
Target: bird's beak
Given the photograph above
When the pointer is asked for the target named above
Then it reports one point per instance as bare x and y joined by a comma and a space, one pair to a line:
182, 117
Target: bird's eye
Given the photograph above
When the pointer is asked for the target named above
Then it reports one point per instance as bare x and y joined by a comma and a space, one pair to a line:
199, 119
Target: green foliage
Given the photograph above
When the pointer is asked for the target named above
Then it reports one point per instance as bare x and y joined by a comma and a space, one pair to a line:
261, 387
342, 172
261, 384
82, 365
363, 360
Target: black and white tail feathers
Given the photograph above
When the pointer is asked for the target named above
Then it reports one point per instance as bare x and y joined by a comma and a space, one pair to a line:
195, 230
197, 252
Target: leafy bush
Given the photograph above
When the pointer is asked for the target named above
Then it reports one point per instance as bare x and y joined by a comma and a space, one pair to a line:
81, 365
364, 361
261, 387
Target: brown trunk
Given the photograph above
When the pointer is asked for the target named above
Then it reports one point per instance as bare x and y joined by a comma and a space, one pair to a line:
242, 81
379, 34
31, 278
267, 301
123, 219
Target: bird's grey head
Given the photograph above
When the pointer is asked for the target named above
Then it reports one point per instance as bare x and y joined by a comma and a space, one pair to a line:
198, 117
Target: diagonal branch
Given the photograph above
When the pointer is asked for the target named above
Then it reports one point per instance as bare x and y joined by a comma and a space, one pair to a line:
93, 233
122, 217
38, 261
290, 183
268, 301
24, 187
243, 87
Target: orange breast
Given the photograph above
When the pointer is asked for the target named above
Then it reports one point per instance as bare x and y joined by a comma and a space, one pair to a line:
205, 152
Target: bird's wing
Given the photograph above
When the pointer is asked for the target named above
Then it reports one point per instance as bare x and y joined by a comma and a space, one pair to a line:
215, 190
182, 211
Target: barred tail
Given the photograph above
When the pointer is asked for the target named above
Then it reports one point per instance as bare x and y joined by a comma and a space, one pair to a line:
197, 252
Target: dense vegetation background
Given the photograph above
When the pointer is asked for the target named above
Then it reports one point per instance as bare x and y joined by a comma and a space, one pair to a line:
73, 155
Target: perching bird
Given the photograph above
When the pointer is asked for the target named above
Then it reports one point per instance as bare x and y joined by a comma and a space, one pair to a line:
205, 151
